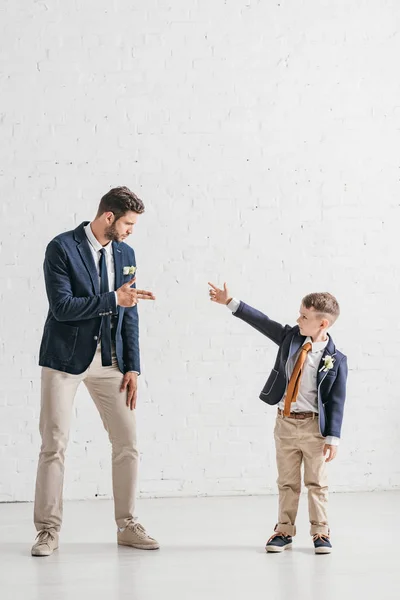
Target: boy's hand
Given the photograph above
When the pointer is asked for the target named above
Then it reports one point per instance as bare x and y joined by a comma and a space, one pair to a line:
219, 296
331, 451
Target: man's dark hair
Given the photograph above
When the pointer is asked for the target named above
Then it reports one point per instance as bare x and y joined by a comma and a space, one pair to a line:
119, 201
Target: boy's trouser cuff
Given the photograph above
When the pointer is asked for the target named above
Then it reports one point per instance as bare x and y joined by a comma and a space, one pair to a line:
286, 529
323, 529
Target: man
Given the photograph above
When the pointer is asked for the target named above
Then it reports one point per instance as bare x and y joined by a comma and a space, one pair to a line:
91, 335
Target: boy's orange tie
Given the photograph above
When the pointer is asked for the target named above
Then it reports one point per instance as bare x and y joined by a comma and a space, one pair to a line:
294, 383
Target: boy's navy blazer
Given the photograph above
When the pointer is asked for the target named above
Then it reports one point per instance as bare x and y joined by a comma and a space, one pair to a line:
331, 385
76, 306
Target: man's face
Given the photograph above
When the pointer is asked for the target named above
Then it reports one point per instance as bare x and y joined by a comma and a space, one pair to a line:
118, 231
310, 322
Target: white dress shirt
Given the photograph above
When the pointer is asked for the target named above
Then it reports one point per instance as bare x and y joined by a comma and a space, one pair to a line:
95, 248
307, 397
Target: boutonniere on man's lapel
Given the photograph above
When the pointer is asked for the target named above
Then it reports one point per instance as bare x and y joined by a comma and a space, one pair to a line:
328, 363
129, 270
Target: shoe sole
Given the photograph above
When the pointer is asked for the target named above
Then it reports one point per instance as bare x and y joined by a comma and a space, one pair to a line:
42, 554
277, 548
323, 550
140, 546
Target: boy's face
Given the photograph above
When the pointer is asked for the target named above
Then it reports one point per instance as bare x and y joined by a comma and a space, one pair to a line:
310, 322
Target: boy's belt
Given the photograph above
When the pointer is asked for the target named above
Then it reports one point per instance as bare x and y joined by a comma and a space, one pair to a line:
299, 415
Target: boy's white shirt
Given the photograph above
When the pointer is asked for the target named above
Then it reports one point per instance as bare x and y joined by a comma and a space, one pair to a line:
307, 398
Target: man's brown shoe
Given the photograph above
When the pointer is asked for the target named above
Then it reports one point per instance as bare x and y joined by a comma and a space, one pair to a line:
135, 535
47, 542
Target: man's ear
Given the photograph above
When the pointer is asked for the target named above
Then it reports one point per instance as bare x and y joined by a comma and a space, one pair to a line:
109, 217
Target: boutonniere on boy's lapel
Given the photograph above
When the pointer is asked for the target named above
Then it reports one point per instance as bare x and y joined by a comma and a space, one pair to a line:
328, 363
129, 270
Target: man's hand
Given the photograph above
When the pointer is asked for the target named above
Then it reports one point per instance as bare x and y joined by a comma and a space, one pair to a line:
129, 383
331, 451
219, 296
128, 296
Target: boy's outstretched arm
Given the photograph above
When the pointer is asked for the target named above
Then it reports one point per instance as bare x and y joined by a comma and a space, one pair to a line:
273, 330
219, 296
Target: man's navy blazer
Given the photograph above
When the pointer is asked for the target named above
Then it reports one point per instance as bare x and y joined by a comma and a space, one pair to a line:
76, 306
331, 384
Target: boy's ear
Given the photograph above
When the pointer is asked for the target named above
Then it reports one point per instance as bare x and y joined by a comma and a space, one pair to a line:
325, 323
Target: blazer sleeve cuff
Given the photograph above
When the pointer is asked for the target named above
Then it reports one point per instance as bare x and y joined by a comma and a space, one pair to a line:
114, 302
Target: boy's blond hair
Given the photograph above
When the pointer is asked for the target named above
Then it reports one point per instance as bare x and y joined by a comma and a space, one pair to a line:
323, 303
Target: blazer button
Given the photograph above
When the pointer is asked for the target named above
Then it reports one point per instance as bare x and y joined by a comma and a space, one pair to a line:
95, 337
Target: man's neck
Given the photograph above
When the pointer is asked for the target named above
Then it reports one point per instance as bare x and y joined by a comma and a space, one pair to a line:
98, 233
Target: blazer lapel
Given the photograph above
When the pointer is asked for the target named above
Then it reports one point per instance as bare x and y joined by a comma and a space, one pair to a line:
330, 350
295, 344
117, 253
86, 255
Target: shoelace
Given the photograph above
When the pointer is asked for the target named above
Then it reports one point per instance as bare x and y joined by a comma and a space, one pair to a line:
277, 534
44, 536
321, 536
139, 530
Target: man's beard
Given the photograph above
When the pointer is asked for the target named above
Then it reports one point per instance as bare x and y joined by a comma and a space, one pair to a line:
111, 233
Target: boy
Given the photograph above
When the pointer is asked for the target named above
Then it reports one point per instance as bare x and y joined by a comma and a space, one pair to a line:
308, 383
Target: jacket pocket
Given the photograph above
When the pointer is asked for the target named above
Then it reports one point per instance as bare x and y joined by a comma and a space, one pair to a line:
331, 374
326, 385
59, 341
270, 382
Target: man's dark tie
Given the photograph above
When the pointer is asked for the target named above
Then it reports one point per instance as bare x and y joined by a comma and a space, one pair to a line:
105, 331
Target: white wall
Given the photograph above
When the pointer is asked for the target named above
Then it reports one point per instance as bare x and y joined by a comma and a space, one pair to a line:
263, 138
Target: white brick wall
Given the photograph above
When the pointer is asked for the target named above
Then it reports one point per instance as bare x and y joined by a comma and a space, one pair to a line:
264, 139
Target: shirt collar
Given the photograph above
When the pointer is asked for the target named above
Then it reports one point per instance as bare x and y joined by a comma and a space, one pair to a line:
317, 346
94, 242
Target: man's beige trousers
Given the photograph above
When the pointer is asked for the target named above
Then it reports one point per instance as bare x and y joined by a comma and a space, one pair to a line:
58, 393
299, 441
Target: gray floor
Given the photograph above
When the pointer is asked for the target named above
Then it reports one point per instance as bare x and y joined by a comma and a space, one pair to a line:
211, 548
